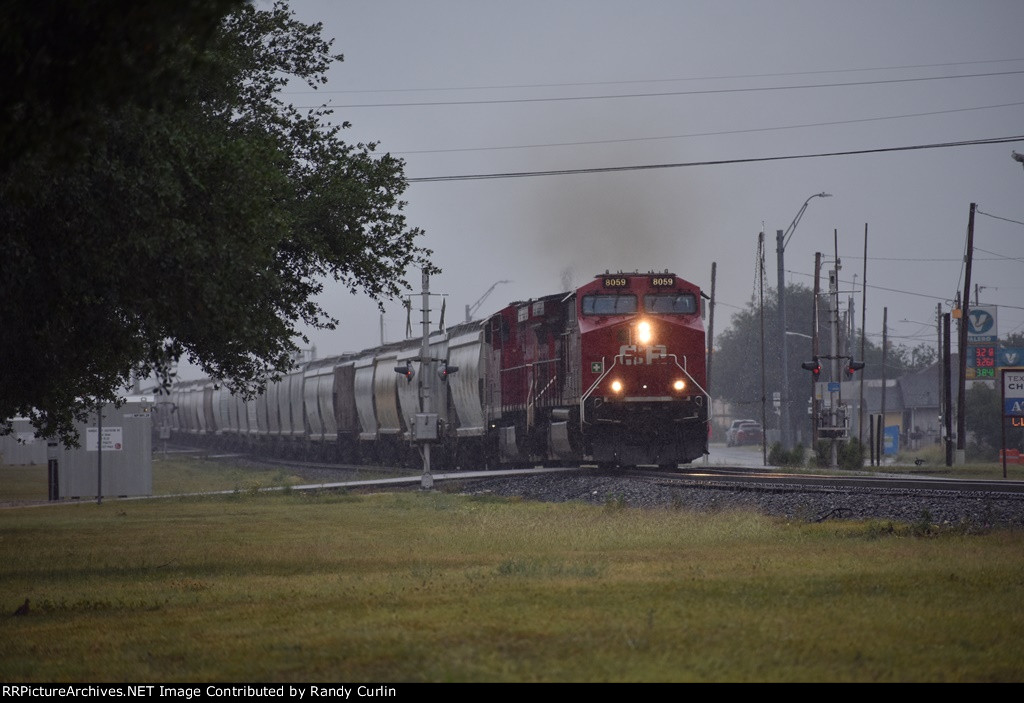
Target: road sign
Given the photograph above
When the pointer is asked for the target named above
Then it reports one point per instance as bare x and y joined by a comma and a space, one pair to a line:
1013, 403
1013, 392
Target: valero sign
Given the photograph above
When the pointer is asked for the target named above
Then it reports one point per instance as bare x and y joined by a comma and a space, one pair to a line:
981, 325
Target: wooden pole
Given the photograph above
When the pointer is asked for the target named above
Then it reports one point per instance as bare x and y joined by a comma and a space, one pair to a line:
961, 401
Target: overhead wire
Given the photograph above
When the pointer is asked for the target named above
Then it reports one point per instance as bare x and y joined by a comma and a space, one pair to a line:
651, 80
940, 298
705, 134
996, 217
877, 287
673, 93
716, 162
1001, 257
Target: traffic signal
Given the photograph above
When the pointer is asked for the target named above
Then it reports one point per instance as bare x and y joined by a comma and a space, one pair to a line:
444, 371
813, 366
853, 366
405, 371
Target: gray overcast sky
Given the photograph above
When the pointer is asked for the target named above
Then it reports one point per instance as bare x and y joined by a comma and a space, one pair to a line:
720, 60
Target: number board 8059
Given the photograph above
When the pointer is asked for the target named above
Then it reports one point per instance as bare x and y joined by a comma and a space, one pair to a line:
616, 282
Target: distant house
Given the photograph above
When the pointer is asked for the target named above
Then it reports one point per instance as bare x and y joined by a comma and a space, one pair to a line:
912, 403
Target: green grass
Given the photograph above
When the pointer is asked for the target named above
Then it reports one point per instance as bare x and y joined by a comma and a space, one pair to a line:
437, 587
23, 483
173, 475
934, 458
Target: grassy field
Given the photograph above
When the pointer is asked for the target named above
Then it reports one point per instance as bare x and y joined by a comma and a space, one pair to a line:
429, 586
174, 474
933, 460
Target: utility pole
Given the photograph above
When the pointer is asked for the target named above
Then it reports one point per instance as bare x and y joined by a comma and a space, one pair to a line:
885, 350
815, 350
940, 368
835, 399
426, 369
99, 453
863, 338
947, 390
780, 250
760, 273
961, 401
711, 323
781, 240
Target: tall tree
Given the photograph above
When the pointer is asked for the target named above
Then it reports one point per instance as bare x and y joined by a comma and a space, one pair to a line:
200, 224
737, 369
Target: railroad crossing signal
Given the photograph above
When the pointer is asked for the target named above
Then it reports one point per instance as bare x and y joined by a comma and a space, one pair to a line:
853, 367
405, 371
814, 367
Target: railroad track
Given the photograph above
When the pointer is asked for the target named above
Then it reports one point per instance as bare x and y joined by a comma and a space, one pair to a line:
766, 478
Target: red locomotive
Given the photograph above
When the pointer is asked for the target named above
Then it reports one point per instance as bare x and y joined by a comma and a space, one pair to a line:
612, 373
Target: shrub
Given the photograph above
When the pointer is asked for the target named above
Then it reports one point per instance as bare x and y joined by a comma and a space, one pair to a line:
850, 455
780, 457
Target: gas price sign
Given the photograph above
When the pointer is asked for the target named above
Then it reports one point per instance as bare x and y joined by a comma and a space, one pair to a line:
984, 362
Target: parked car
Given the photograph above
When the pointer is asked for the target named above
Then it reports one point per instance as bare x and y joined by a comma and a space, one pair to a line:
734, 428
749, 433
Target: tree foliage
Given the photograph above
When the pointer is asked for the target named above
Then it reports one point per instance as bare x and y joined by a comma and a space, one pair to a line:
983, 413
737, 361
198, 222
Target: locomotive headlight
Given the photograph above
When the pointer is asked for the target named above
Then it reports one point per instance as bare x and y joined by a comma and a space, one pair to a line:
644, 333
617, 386
679, 385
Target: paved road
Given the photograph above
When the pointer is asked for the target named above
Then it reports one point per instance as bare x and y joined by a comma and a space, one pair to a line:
722, 455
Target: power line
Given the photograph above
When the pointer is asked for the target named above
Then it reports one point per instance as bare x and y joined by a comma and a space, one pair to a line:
715, 91
996, 217
943, 298
1001, 257
719, 162
705, 134
650, 80
916, 258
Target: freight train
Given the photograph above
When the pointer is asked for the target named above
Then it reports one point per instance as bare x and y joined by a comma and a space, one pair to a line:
612, 373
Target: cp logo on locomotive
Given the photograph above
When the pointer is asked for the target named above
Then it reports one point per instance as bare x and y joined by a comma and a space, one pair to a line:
632, 356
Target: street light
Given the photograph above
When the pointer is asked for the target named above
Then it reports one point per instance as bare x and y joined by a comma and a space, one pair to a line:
781, 240
471, 309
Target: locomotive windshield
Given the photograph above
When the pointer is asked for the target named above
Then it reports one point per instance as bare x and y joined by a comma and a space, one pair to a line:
671, 303
609, 304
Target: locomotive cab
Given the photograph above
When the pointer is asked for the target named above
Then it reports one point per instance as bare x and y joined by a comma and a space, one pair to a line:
642, 357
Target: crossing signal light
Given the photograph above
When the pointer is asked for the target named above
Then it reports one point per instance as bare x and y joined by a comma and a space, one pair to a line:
405, 371
445, 371
813, 366
852, 367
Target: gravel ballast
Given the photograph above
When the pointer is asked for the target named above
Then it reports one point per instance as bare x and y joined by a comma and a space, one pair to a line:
975, 509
